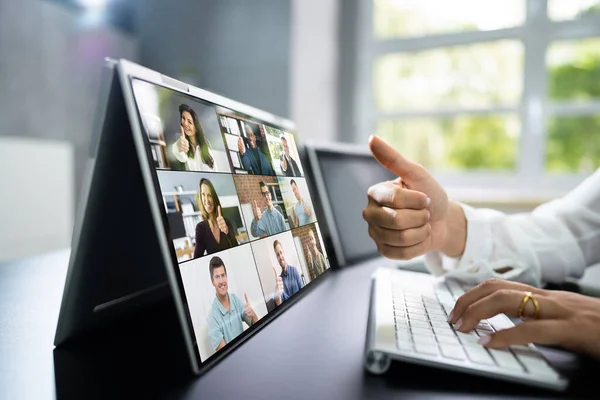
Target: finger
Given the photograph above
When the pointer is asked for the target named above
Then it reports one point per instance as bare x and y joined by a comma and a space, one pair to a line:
393, 195
220, 213
403, 253
394, 161
275, 272
506, 301
484, 289
400, 238
246, 297
549, 332
385, 217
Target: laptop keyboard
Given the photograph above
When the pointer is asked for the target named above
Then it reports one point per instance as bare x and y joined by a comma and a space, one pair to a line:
422, 329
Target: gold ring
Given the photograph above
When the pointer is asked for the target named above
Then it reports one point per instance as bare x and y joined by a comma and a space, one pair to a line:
536, 306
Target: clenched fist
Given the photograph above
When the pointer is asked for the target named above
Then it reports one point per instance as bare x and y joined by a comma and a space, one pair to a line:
184, 145
221, 223
410, 215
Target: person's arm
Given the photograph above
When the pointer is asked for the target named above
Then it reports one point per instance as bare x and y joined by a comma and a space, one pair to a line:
562, 318
412, 216
257, 227
179, 155
248, 314
556, 241
215, 332
220, 346
200, 245
246, 161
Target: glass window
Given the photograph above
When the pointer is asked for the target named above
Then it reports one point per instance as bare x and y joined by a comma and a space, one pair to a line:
488, 142
573, 144
474, 76
561, 10
398, 18
574, 70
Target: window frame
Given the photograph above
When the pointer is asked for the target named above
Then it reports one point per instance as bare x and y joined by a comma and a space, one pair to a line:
534, 109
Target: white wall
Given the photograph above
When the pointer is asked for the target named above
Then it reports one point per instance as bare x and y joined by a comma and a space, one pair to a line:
50, 76
314, 75
241, 278
36, 201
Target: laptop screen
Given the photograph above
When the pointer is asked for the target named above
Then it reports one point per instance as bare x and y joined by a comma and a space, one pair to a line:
239, 212
347, 176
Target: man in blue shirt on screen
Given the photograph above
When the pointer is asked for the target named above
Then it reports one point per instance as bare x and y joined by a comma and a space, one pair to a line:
253, 160
270, 220
227, 311
290, 277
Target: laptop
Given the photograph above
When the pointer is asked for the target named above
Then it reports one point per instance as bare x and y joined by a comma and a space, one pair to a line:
409, 307
193, 196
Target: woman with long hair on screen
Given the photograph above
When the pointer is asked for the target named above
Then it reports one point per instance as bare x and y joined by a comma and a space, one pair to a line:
214, 233
192, 148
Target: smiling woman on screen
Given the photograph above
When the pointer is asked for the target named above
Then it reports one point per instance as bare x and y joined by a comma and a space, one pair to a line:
192, 148
214, 233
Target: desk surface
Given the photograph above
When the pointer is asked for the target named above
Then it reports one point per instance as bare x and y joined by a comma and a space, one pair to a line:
142, 357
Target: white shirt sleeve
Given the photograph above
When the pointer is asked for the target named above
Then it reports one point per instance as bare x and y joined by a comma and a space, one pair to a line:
557, 240
179, 155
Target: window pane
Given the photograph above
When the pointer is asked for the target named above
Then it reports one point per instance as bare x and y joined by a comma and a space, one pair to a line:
560, 10
573, 144
574, 70
487, 142
398, 18
475, 76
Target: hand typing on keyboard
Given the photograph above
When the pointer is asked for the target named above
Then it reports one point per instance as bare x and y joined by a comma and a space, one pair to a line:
567, 319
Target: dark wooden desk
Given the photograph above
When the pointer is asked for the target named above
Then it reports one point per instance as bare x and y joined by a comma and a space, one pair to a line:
312, 351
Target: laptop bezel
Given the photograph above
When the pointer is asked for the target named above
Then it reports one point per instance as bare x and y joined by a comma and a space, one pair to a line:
127, 71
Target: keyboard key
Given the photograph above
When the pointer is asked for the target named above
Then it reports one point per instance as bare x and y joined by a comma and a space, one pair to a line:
505, 359
467, 338
483, 324
483, 332
402, 336
536, 365
419, 331
448, 307
438, 318
444, 332
418, 323
448, 339
411, 305
402, 328
454, 352
426, 348
420, 317
436, 311
425, 339
440, 324
404, 345
415, 311
478, 355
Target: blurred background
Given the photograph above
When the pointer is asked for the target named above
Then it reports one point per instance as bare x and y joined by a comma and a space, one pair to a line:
499, 98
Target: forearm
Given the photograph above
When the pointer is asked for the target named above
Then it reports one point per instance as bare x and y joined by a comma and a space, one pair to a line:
456, 231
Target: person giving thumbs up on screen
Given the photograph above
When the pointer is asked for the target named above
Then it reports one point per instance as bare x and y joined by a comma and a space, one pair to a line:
412, 216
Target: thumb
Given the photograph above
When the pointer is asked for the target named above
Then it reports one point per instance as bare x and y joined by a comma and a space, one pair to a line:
220, 213
275, 272
181, 131
246, 297
394, 161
